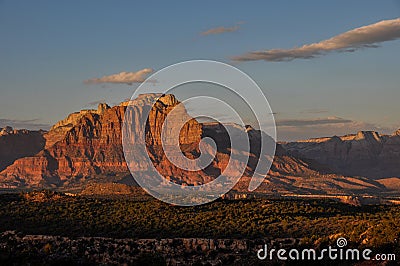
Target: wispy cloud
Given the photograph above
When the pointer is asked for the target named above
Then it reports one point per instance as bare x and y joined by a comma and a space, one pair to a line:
32, 124
364, 37
222, 29
311, 122
314, 111
122, 77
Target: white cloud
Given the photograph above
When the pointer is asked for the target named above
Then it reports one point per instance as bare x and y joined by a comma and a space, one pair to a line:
350, 41
122, 77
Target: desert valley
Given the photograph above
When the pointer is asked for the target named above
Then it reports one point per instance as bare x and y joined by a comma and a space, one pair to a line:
68, 195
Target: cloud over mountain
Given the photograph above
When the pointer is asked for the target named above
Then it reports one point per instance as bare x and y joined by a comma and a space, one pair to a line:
311, 122
364, 37
122, 77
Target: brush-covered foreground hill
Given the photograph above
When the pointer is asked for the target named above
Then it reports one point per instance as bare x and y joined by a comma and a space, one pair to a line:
86, 147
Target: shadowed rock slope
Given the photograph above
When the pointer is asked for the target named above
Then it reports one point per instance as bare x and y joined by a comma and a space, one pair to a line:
16, 144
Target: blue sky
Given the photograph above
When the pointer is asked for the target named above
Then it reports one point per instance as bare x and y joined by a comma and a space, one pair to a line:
49, 48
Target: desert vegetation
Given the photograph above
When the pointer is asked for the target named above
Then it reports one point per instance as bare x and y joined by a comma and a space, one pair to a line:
314, 221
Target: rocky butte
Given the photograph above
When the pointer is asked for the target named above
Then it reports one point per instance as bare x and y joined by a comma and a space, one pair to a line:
86, 147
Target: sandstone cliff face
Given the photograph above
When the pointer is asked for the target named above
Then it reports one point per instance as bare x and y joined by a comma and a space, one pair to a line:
60, 129
363, 154
16, 144
89, 145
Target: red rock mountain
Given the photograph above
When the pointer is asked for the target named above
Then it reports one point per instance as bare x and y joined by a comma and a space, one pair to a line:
88, 144
86, 147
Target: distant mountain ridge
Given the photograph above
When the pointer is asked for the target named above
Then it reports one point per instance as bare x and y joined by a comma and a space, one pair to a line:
87, 147
363, 154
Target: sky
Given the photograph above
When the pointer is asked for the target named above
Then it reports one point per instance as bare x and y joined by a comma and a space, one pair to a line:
323, 74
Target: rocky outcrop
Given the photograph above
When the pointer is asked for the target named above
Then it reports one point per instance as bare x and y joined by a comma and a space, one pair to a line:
364, 154
6, 131
44, 249
16, 144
